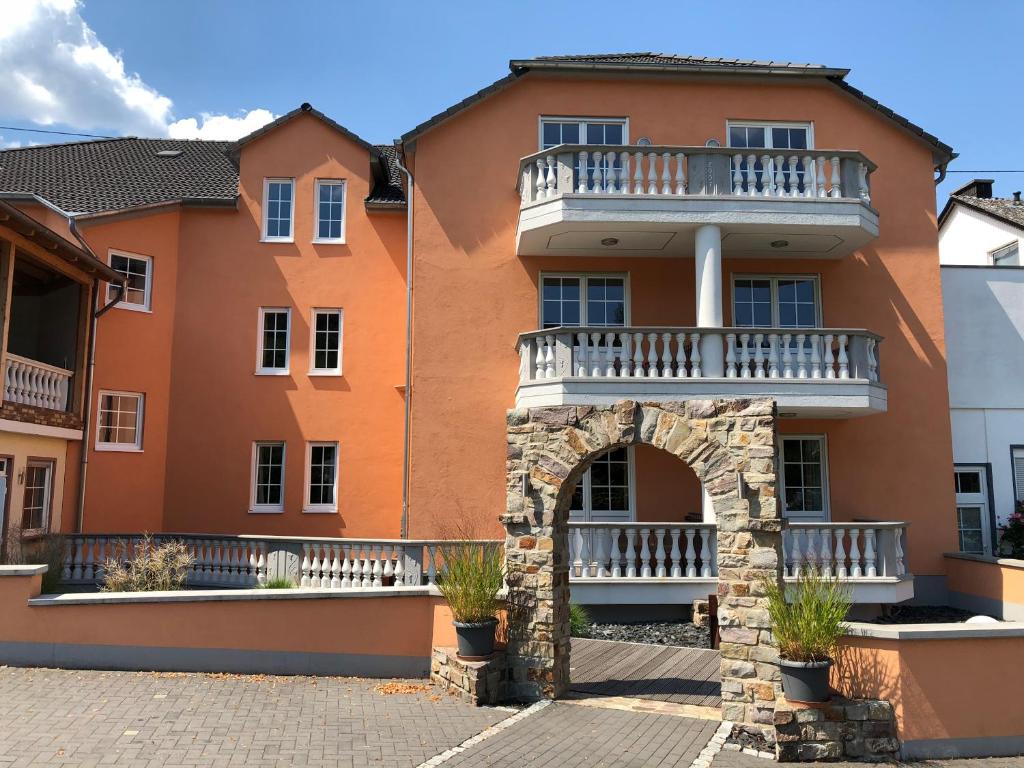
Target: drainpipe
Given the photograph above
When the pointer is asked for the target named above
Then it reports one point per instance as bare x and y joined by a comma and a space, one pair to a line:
94, 315
408, 340
942, 173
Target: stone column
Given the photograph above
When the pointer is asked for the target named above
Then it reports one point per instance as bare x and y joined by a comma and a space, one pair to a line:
708, 262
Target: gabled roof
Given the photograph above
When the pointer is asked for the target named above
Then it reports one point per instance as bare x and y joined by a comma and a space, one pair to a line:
303, 109
647, 62
115, 174
1001, 209
389, 183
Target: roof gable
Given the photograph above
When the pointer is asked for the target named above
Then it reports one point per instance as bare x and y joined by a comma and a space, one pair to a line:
303, 109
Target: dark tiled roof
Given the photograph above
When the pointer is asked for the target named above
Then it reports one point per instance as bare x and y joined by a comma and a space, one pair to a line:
389, 188
1001, 208
673, 60
113, 174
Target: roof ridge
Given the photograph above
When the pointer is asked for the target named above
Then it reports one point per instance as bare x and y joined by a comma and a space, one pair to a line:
67, 143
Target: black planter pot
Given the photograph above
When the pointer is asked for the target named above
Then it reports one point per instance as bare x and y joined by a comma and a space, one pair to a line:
806, 681
476, 638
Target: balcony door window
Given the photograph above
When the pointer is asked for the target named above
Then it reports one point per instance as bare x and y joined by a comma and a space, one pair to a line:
38, 496
587, 300
804, 477
604, 493
786, 139
972, 510
574, 130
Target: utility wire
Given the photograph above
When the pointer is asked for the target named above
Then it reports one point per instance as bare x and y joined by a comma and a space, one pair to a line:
59, 133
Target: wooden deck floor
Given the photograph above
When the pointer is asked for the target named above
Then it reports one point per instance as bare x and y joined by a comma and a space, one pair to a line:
653, 672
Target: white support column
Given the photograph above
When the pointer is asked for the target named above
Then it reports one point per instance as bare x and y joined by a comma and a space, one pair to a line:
708, 261
707, 506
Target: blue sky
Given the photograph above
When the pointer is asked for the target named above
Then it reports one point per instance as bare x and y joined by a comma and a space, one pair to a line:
151, 68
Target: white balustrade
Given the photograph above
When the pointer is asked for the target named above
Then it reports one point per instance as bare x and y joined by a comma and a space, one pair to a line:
30, 382
641, 550
849, 551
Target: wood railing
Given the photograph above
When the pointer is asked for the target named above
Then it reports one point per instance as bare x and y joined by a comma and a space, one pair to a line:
749, 353
677, 171
30, 382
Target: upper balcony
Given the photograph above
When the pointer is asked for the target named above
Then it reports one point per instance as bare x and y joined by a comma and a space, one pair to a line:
626, 200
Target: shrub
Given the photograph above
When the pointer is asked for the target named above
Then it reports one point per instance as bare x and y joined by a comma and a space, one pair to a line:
151, 568
46, 549
579, 621
1011, 535
278, 582
471, 580
807, 617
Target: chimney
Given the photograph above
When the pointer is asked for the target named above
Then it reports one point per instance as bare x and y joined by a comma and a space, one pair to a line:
1016, 199
980, 188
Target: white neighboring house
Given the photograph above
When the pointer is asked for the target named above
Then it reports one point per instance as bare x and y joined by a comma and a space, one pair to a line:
981, 239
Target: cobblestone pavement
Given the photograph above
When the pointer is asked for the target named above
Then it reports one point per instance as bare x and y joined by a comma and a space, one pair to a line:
62, 717
727, 759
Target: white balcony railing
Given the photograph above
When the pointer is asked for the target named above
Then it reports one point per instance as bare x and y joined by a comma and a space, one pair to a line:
30, 382
676, 353
674, 171
641, 550
849, 551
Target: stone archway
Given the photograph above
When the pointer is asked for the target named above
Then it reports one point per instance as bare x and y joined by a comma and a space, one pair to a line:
730, 445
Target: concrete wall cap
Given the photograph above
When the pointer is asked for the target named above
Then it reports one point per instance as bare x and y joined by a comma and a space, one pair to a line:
1007, 562
223, 595
952, 631
22, 570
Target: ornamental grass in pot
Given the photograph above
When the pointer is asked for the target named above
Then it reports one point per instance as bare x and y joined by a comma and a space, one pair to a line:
807, 622
472, 578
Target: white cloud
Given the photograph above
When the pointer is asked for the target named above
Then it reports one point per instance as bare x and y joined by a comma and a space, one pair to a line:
57, 71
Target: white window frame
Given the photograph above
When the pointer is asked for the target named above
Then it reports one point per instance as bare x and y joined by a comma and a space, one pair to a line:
826, 513
147, 305
979, 500
583, 277
50, 467
266, 210
1017, 473
316, 211
767, 125
623, 121
260, 369
259, 509
1012, 244
313, 370
307, 506
140, 413
774, 279
588, 511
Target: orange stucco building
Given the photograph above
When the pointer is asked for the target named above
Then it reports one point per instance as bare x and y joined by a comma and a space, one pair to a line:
770, 217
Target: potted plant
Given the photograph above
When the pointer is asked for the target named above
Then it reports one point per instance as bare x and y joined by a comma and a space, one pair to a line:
1011, 535
470, 582
807, 621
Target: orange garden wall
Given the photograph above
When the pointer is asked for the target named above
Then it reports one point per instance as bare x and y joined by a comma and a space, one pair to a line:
953, 697
987, 585
270, 631
892, 466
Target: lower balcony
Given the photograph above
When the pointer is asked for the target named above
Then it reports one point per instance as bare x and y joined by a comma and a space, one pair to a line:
809, 372
30, 382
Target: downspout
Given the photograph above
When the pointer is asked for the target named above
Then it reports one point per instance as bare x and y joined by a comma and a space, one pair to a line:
408, 340
942, 173
94, 316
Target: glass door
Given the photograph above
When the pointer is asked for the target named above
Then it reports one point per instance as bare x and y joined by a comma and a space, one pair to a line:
972, 515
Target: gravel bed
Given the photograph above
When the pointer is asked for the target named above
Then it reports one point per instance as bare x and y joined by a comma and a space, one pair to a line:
681, 633
923, 614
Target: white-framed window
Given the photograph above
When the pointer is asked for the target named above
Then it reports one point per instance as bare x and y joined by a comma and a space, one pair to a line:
119, 420
585, 130
803, 477
970, 483
330, 211
267, 477
38, 495
1017, 462
326, 342
605, 493
274, 348
776, 301
1007, 256
138, 274
775, 138
278, 210
321, 477
572, 299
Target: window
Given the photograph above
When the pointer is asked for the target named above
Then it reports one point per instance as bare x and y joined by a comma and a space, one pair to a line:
278, 211
1017, 457
1007, 256
595, 300
321, 477
274, 343
782, 137
576, 130
138, 273
604, 491
330, 211
268, 477
804, 477
972, 508
38, 494
326, 343
119, 421
775, 302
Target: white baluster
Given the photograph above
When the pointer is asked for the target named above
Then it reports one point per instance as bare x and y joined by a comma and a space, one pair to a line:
595, 355
695, 371
815, 356
856, 571
809, 176
638, 354
798, 563
652, 355
901, 568
691, 555
378, 568
305, 580
624, 186
837, 186
88, 569
540, 361
336, 556
659, 554
870, 568
638, 174
841, 571
609, 354
829, 362
751, 175
367, 570
552, 180
844, 360
680, 173
822, 192
541, 183
801, 362
706, 557
584, 183
862, 181
261, 565
610, 187
794, 179
758, 356
587, 554
582, 354
737, 174
625, 356
549, 356
600, 553
677, 565
576, 550
652, 173
314, 566
666, 355
398, 574
730, 355
645, 552
872, 360
811, 549
617, 554
787, 363
767, 184
681, 355
744, 355
825, 552
432, 567
780, 176
773, 356
598, 175
666, 179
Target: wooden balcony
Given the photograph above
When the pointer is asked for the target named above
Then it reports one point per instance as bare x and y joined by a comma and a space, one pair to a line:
592, 200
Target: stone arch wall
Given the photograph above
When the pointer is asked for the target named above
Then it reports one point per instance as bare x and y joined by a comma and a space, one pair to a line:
730, 445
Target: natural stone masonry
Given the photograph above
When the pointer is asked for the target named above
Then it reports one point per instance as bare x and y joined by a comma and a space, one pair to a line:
46, 417
730, 445
482, 682
861, 729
